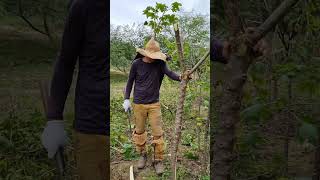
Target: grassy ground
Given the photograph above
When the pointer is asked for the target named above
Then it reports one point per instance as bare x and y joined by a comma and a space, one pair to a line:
25, 58
192, 162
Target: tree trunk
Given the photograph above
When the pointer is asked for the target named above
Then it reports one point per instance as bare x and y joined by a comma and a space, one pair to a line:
179, 116
180, 105
287, 128
179, 47
178, 122
316, 168
228, 116
236, 75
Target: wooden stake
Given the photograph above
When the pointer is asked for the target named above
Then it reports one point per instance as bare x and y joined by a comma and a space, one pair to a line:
131, 173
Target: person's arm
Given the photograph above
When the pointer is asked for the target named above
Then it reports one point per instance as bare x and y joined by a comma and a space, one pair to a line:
131, 78
71, 45
172, 75
216, 54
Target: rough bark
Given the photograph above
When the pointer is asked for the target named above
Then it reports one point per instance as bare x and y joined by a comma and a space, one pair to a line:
287, 128
179, 47
228, 116
178, 122
236, 75
316, 168
274, 18
180, 105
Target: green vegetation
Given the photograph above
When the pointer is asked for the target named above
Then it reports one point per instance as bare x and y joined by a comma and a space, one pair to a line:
193, 153
25, 58
278, 131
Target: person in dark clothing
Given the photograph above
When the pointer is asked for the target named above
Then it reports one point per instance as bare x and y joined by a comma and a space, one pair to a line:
146, 73
84, 40
143, 73
216, 51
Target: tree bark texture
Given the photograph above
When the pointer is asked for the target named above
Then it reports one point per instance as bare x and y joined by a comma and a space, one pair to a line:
178, 124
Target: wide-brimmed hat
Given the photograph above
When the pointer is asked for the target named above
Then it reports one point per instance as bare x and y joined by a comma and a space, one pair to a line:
152, 50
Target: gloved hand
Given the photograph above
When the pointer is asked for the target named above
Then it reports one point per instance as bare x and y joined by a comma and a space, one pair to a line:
53, 137
126, 105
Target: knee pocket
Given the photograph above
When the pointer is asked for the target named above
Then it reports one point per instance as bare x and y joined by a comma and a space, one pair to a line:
139, 139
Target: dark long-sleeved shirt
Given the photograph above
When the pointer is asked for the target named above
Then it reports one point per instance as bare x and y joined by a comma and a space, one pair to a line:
85, 40
216, 51
147, 79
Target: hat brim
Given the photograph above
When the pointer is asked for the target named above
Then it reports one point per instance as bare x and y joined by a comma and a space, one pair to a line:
153, 55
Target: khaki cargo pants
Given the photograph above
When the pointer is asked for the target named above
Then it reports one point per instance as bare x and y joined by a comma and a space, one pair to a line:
92, 156
152, 112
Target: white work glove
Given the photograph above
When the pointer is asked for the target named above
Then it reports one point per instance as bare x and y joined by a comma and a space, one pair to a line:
126, 105
53, 137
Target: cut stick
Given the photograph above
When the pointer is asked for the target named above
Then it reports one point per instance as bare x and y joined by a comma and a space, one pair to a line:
131, 173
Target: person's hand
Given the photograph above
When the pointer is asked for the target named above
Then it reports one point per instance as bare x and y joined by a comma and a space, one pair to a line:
226, 50
186, 75
262, 47
53, 137
126, 105
259, 49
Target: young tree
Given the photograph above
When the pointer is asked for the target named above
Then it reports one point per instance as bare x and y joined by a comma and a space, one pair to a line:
158, 23
236, 75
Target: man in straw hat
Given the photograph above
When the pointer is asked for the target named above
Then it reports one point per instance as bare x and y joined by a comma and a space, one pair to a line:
147, 72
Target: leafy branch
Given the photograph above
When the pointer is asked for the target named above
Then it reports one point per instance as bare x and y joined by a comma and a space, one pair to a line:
160, 16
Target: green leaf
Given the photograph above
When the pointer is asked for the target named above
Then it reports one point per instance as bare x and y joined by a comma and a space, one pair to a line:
256, 112
172, 18
308, 132
175, 6
150, 12
191, 155
161, 7
145, 11
152, 24
129, 152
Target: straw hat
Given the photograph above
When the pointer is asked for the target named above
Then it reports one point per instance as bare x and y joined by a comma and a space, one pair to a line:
152, 50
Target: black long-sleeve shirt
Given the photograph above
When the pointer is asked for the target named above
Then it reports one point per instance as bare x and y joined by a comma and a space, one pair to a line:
85, 40
147, 79
216, 51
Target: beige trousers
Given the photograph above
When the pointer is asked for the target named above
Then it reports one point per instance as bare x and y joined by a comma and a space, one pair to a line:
92, 156
152, 112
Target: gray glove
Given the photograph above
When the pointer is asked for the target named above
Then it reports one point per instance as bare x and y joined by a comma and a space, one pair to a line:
53, 137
